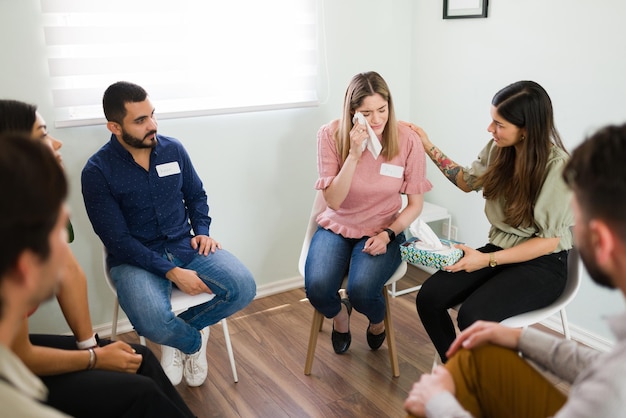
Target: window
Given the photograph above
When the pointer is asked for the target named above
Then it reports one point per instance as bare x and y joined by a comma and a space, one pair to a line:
194, 57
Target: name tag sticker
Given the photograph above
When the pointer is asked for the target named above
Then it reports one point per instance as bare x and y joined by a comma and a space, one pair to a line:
391, 170
168, 169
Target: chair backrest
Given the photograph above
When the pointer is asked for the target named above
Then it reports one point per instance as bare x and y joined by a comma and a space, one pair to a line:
319, 205
574, 276
107, 274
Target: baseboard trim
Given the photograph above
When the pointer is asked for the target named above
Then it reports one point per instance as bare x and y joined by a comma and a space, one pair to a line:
579, 334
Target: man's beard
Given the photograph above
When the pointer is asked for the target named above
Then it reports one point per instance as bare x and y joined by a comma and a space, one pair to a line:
137, 142
596, 274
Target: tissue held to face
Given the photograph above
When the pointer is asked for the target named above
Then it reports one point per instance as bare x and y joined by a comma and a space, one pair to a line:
376, 111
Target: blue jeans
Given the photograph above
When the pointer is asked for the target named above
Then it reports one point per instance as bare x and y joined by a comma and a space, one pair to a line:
145, 298
331, 257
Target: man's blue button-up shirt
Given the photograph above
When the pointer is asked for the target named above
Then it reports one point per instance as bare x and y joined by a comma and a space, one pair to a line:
140, 214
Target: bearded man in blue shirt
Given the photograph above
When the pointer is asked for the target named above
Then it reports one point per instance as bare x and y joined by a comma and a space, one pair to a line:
148, 206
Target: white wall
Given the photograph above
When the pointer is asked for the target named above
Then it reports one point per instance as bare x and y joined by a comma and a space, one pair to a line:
259, 168
574, 49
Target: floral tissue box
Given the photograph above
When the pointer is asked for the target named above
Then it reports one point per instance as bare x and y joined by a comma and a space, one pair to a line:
430, 258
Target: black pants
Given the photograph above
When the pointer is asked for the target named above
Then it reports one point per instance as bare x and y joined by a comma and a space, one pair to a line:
103, 393
490, 294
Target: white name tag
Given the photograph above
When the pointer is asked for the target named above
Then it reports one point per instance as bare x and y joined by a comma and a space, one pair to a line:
391, 170
168, 169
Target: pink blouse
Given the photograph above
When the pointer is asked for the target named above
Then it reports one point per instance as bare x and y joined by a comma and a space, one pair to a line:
374, 199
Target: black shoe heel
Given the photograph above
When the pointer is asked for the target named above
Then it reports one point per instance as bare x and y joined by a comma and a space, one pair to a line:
342, 340
375, 340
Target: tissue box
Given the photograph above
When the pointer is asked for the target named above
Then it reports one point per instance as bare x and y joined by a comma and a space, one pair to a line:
430, 258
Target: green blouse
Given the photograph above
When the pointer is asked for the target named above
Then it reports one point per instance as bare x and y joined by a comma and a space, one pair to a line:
70, 232
553, 214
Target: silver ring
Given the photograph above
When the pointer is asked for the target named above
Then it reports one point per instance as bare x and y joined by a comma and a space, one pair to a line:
361, 130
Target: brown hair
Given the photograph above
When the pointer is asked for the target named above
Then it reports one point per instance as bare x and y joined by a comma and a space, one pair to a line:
361, 86
597, 175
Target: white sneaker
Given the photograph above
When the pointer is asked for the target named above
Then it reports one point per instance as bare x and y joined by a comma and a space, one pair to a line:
172, 363
196, 366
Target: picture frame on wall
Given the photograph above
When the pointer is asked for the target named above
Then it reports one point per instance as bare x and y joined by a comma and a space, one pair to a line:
464, 9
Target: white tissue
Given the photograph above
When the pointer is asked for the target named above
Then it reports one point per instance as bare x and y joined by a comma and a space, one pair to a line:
372, 143
428, 240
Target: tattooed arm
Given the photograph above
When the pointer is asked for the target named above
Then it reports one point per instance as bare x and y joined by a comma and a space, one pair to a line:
449, 168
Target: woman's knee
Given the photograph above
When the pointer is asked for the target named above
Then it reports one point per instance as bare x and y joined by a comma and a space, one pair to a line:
430, 300
466, 317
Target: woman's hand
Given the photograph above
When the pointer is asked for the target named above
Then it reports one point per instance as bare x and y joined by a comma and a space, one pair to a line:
358, 135
377, 244
421, 133
117, 356
472, 260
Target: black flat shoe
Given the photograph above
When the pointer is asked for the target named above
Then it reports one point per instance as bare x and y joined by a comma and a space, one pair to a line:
341, 340
375, 340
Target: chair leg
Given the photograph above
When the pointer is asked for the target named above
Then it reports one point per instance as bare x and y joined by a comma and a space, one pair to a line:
391, 337
116, 307
565, 324
316, 326
229, 348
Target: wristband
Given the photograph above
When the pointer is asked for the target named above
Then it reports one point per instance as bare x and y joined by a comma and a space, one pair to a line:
88, 343
392, 235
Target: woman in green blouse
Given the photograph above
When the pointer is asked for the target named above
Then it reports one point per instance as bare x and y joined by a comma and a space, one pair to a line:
524, 265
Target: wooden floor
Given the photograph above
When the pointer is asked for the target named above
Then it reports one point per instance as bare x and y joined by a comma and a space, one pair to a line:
269, 339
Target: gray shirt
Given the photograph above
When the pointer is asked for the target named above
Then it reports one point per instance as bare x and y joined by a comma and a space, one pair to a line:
598, 379
21, 392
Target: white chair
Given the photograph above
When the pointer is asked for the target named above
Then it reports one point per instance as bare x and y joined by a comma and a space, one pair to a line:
524, 320
319, 205
574, 277
180, 302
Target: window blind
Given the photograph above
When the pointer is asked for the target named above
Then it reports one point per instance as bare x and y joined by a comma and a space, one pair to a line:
194, 57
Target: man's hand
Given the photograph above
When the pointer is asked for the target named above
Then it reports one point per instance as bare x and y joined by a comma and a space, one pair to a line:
482, 332
428, 386
205, 244
187, 281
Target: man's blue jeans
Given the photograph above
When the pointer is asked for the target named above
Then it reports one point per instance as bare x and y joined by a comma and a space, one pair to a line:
145, 298
331, 257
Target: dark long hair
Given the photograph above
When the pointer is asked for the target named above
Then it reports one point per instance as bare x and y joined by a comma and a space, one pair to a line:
519, 178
